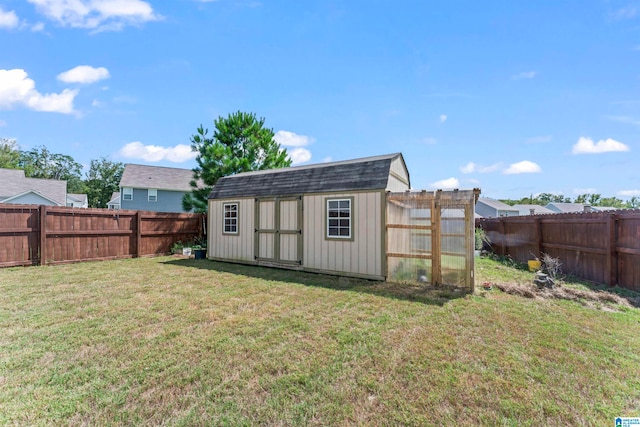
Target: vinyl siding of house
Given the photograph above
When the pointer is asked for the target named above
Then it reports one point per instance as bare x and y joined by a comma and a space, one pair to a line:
31, 198
167, 201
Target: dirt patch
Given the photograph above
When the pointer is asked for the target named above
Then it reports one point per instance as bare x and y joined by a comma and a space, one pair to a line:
602, 299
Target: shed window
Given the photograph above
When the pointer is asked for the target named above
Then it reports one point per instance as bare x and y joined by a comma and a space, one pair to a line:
152, 195
127, 193
230, 224
339, 218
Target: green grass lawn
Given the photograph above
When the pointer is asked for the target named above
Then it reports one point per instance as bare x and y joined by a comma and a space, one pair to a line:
183, 342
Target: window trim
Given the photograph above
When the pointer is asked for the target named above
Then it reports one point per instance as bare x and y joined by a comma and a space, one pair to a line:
351, 236
237, 218
126, 193
149, 195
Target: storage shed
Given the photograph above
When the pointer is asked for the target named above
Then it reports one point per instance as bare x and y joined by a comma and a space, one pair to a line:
353, 218
327, 217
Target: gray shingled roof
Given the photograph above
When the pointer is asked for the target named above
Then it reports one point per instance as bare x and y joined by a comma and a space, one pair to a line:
370, 173
526, 209
158, 177
76, 197
13, 182
496, 204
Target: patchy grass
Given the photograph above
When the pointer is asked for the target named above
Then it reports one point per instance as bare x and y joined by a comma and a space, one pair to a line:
185, 342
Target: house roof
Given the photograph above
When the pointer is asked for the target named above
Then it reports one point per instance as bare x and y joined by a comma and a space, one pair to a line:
496, 204
158, 177
369, 173
115, 197
567, 207
82, 198
13, 183
526, 209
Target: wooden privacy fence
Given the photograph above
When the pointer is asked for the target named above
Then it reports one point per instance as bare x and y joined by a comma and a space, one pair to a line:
603, 247
31, 234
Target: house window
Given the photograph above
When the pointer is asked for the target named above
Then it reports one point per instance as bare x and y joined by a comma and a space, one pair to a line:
152, 195
127, 193
339, 218
230, 220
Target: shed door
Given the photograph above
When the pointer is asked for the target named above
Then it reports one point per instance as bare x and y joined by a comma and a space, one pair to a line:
278, 233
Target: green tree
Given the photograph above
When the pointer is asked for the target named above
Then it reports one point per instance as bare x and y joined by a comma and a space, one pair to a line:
9, 154
41, 163
240, 143
102, 179
633, 203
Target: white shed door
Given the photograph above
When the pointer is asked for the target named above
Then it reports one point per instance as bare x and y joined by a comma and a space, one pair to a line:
278, 233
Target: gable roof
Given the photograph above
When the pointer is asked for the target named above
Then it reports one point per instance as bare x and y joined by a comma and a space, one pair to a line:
158, 177
568, 207
115, 197
369, 173
82, 198
13, 183
496, 204
538, 209
16, 198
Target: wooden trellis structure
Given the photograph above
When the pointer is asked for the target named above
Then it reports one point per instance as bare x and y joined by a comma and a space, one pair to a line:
430, 237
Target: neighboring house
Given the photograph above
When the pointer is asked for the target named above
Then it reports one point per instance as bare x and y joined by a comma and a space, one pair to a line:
328, 217
17, 189
492, 208
114, 203
568, 207
532, 209
154, 188
605, 208
77, 200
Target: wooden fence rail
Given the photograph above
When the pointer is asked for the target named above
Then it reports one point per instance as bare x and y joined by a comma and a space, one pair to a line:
603, 247
42, 235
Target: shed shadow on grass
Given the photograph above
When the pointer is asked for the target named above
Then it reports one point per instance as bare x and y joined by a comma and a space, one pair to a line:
401, 291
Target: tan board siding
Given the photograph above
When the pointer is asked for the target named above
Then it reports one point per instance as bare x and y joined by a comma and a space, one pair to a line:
398, 176
395, 185
226, 246
363, 254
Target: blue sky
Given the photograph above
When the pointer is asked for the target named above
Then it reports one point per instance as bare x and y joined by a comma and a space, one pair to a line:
513, 97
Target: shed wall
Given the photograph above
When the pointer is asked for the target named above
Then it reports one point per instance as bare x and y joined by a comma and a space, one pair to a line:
361, 255
228, 246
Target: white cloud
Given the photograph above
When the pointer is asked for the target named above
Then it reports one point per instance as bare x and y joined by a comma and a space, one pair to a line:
2, 123
96, 15
446, 184
443, 118
524, 75
84, 74
39, 26
580, 191
472, 167
291, 139
629, 193
298, 154
524, 166
154, 153
8, 19
327, 159
17, 88
588, 146
429, 140
96, 103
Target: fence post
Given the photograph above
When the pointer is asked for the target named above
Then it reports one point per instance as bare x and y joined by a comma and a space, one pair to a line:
42, 210
138, 234
612, 255
503, 237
